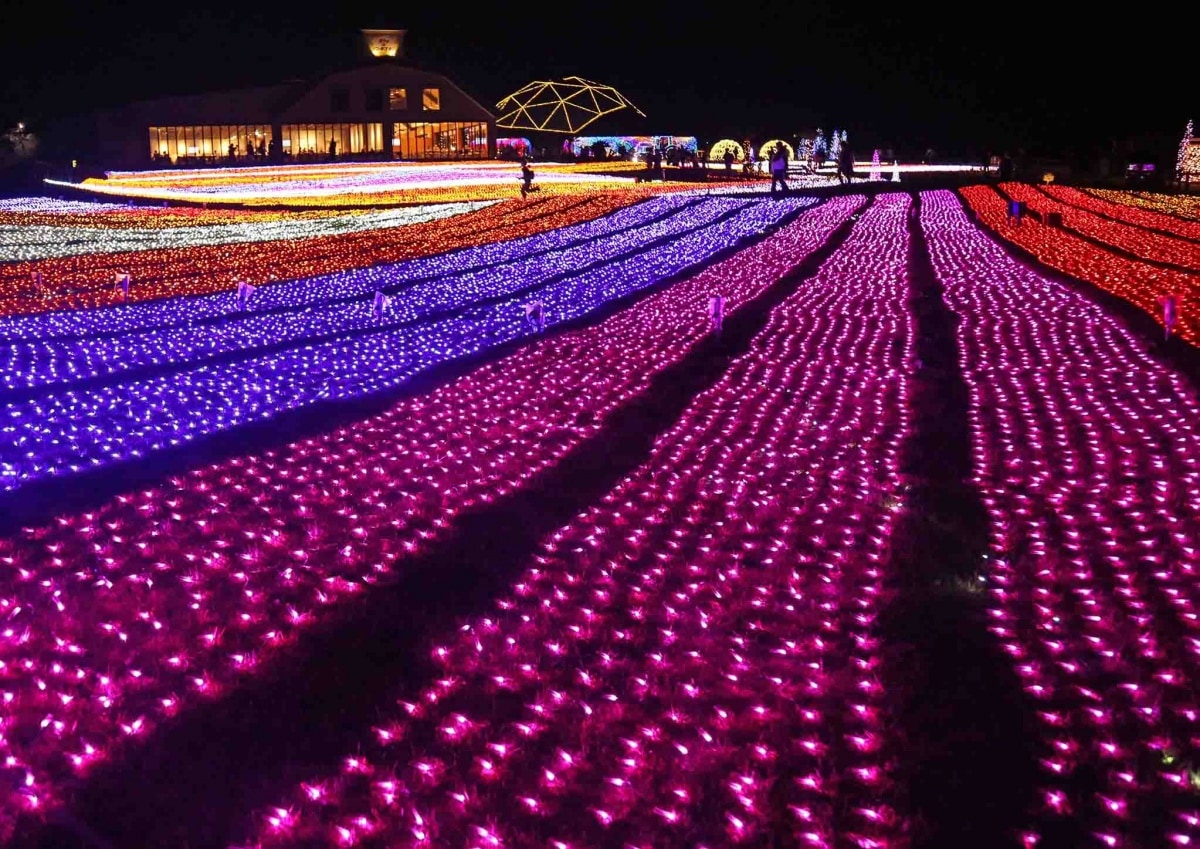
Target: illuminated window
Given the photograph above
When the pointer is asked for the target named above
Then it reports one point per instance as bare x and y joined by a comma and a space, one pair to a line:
339, 100
431, 99
320, 140
397, 98
209, 141
374, 100
440, 141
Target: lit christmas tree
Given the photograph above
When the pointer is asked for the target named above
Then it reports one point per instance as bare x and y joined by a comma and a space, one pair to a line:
804, 149
820, 146
835, 145
1184, 144
876, 173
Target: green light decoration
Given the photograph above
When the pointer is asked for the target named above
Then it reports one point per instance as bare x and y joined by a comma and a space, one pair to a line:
1182, 157
560, 106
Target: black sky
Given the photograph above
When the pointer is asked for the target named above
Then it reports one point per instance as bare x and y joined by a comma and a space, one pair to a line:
986, 77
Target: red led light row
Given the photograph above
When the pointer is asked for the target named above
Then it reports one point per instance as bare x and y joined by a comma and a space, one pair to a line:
1135, 240
1137, 282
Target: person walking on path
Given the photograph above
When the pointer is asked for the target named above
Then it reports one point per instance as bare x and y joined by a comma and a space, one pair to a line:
779, 166
527, 185
845, 164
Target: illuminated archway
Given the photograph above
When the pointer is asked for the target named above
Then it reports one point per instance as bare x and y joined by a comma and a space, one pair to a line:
717, 152
764, 152
560, 106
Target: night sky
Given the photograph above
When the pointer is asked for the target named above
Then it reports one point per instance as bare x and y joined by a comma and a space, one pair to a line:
906, 79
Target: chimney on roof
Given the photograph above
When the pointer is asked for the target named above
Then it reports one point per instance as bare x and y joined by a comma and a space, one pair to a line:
384, 43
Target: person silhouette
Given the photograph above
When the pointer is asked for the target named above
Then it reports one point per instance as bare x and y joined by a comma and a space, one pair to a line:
845, 164
779, 165
527, 185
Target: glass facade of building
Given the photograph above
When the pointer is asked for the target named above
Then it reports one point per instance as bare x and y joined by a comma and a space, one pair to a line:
410, 140
302, 139
440, 141
208, 141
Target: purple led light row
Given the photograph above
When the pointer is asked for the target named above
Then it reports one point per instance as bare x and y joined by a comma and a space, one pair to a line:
69, 431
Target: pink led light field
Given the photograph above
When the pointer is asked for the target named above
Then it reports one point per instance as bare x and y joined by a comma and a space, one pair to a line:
625, 562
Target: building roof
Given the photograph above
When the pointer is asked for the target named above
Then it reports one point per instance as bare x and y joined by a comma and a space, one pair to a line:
294, 99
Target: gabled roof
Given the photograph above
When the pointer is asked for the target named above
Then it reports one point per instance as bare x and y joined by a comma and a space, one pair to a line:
271, 101
401, 70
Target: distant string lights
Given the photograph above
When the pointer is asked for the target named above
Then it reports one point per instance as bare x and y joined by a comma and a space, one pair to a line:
31, 242
38, 211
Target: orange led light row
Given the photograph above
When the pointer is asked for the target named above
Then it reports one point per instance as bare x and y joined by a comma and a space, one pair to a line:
1136, 215
1182, 205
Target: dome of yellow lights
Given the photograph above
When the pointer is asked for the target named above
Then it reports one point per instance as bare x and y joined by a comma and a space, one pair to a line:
560, 106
